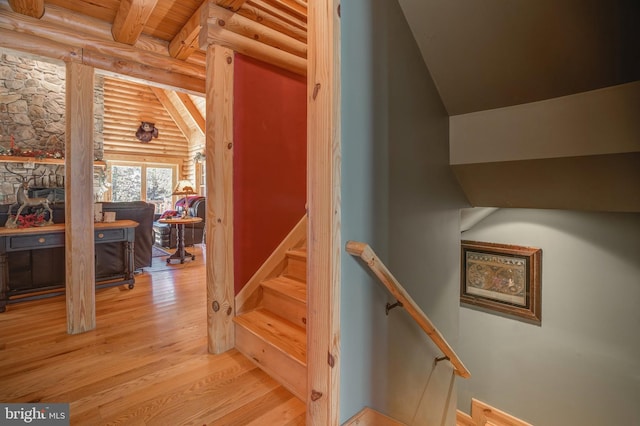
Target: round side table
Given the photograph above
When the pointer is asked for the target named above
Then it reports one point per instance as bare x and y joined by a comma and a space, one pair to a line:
180, 222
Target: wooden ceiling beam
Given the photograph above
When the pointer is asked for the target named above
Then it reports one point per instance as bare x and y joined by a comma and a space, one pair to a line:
256, 50
175, 111
130, 20
87, 26
143, 73
97, 50
186, 41
192, 110
68, 27
291, 7
286, 27
233, 5
38, 46
104, 64
216, 32
33, 8
253, 30
278, 12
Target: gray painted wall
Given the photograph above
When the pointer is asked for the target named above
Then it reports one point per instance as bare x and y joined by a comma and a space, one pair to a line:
398, 195
582, 366
365, 189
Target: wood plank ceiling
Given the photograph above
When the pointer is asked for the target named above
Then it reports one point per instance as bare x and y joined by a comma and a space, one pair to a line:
247, 26
156, 42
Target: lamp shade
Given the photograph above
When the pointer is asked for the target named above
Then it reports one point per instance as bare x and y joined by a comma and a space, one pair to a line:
184, 187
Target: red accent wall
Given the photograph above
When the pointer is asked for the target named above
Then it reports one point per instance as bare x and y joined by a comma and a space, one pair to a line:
269, 161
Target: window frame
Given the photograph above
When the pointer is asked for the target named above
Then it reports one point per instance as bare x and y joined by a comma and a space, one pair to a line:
144, 165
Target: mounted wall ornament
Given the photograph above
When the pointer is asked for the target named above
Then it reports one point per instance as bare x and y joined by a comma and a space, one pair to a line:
146, 131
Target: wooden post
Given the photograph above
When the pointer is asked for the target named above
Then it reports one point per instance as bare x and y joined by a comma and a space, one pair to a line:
79, 245
219, 217
34, 8
323, 189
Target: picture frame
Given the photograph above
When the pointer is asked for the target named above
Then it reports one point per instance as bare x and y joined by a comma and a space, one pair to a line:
502, 278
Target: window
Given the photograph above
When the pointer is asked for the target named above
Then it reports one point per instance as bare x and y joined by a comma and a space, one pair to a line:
159, 186
126, 182
152, 183
202, 178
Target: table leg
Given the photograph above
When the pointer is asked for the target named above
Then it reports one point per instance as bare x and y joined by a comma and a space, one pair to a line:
180, 253
4, 281
129, 263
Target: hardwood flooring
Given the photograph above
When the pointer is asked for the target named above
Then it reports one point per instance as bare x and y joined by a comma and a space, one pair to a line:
146, 363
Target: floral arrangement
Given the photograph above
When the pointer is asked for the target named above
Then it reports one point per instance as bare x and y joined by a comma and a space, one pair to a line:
29, 220
39, 154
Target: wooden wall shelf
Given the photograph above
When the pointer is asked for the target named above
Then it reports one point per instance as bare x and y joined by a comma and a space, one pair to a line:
18, 159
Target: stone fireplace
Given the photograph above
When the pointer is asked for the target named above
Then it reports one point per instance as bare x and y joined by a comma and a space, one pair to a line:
32, 124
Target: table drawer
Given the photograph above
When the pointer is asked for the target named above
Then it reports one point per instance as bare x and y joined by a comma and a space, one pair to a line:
106, 235
35, 241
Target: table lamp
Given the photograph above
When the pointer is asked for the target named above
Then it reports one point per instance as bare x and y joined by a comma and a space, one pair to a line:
184, 187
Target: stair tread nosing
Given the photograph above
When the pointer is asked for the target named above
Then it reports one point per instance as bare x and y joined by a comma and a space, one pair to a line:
297, 253
277, 331
289, 287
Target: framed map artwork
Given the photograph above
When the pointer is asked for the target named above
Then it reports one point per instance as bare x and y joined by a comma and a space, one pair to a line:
502, 278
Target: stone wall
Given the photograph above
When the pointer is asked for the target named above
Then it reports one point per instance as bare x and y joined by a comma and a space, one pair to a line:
32, 122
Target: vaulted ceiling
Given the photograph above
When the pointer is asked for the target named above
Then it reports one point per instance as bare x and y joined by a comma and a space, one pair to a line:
495, 53
509, 67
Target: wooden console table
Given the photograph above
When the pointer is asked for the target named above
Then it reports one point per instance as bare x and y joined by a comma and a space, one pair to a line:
13, 240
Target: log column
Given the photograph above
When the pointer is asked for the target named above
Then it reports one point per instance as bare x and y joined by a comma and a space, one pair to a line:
323, 194
79, 246
219, 216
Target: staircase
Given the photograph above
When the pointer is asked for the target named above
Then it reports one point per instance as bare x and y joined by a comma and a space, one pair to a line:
273, 334
483, 414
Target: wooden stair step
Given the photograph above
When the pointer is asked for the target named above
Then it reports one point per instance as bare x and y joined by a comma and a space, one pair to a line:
287, 298
297, 264
276, 345
463, 419
277, 331
287, 287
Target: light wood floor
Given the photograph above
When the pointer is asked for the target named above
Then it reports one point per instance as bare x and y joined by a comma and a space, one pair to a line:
145, 364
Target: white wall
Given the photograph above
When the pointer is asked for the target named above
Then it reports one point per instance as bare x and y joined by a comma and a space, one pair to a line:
582, 366
399, 196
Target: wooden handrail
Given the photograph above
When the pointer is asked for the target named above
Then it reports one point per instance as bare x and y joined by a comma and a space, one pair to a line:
366, 253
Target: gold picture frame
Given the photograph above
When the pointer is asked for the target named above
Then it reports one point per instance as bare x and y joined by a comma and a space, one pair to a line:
503, 278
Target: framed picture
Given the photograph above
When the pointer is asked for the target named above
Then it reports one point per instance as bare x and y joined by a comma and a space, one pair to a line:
502, 278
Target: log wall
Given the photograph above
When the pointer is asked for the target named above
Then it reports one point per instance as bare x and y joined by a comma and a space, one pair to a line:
126, 104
